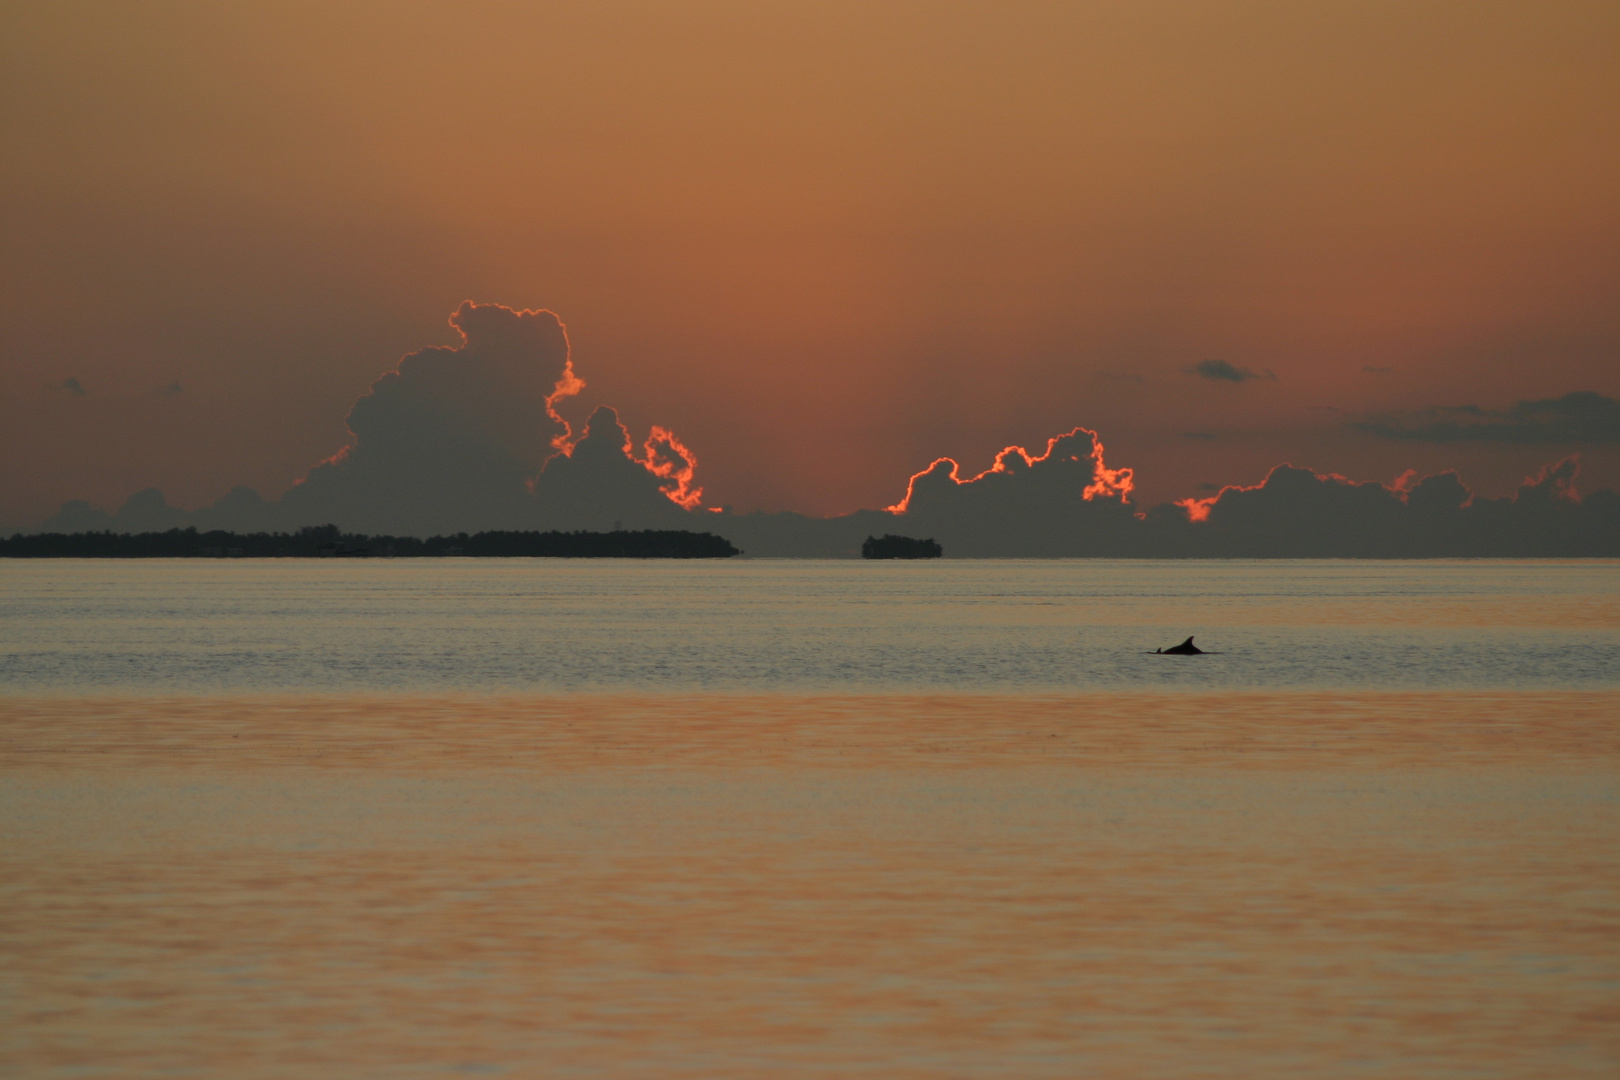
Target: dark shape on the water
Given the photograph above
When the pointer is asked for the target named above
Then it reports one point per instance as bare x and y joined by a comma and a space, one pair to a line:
1186, 648
900, 547
326, 541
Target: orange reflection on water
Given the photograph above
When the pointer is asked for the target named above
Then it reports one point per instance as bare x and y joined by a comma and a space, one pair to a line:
1111, 885
1176, 731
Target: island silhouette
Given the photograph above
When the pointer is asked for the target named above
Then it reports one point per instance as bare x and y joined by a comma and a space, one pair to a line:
900, 547
327, 541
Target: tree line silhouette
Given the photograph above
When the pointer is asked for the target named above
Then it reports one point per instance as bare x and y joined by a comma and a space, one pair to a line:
326, 541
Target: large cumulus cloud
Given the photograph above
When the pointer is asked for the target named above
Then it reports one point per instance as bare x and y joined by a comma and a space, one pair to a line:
470, 438
460, 439
448, 440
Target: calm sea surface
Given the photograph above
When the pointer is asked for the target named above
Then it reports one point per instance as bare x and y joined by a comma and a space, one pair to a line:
194, 626
809, 819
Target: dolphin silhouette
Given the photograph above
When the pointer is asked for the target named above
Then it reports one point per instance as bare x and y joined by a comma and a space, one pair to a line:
1186, 648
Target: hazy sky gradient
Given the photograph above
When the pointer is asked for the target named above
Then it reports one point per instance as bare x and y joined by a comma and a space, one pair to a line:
824, 243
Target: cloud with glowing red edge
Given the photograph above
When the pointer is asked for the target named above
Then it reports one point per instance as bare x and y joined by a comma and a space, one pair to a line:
1300, 513
1025, 504
1104, 482
455, 438
472, 437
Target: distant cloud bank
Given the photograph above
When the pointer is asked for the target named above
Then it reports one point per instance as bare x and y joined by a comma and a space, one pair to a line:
470, 438
1581, 417
1296, 512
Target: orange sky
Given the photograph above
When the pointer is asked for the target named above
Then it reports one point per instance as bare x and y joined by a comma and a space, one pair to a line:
824, 243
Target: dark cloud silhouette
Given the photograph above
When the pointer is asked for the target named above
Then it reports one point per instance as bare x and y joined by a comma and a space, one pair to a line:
172, 389
73, 386
448, 440
465, 438
1026, 506
470, 438
1066, 501
1221, 371
76, 516
1581, 417
144, 511
599, 483
149, 511
1298, 513
241, 510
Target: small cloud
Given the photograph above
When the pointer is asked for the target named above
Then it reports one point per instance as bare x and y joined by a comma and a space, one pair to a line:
1583, 416
1199, 435
1205, 485
1221, 371
74, 387
168, 390
1375, 370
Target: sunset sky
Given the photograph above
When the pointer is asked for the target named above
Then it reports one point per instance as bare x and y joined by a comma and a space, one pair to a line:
825, 243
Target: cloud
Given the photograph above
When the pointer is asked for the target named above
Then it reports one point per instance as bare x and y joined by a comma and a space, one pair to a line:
459, 439
1221, 371
1299, 513
1066, 501
447, 441
1201, 435
599, 483
144, 511
470, 438
240, 510
169, 390
77, 516
1580, 417
73, 386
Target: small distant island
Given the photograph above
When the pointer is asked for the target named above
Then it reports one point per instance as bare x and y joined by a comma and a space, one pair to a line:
900, 547
326, 541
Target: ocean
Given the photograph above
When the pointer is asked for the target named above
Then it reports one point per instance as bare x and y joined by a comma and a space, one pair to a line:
809, 819
801, 626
